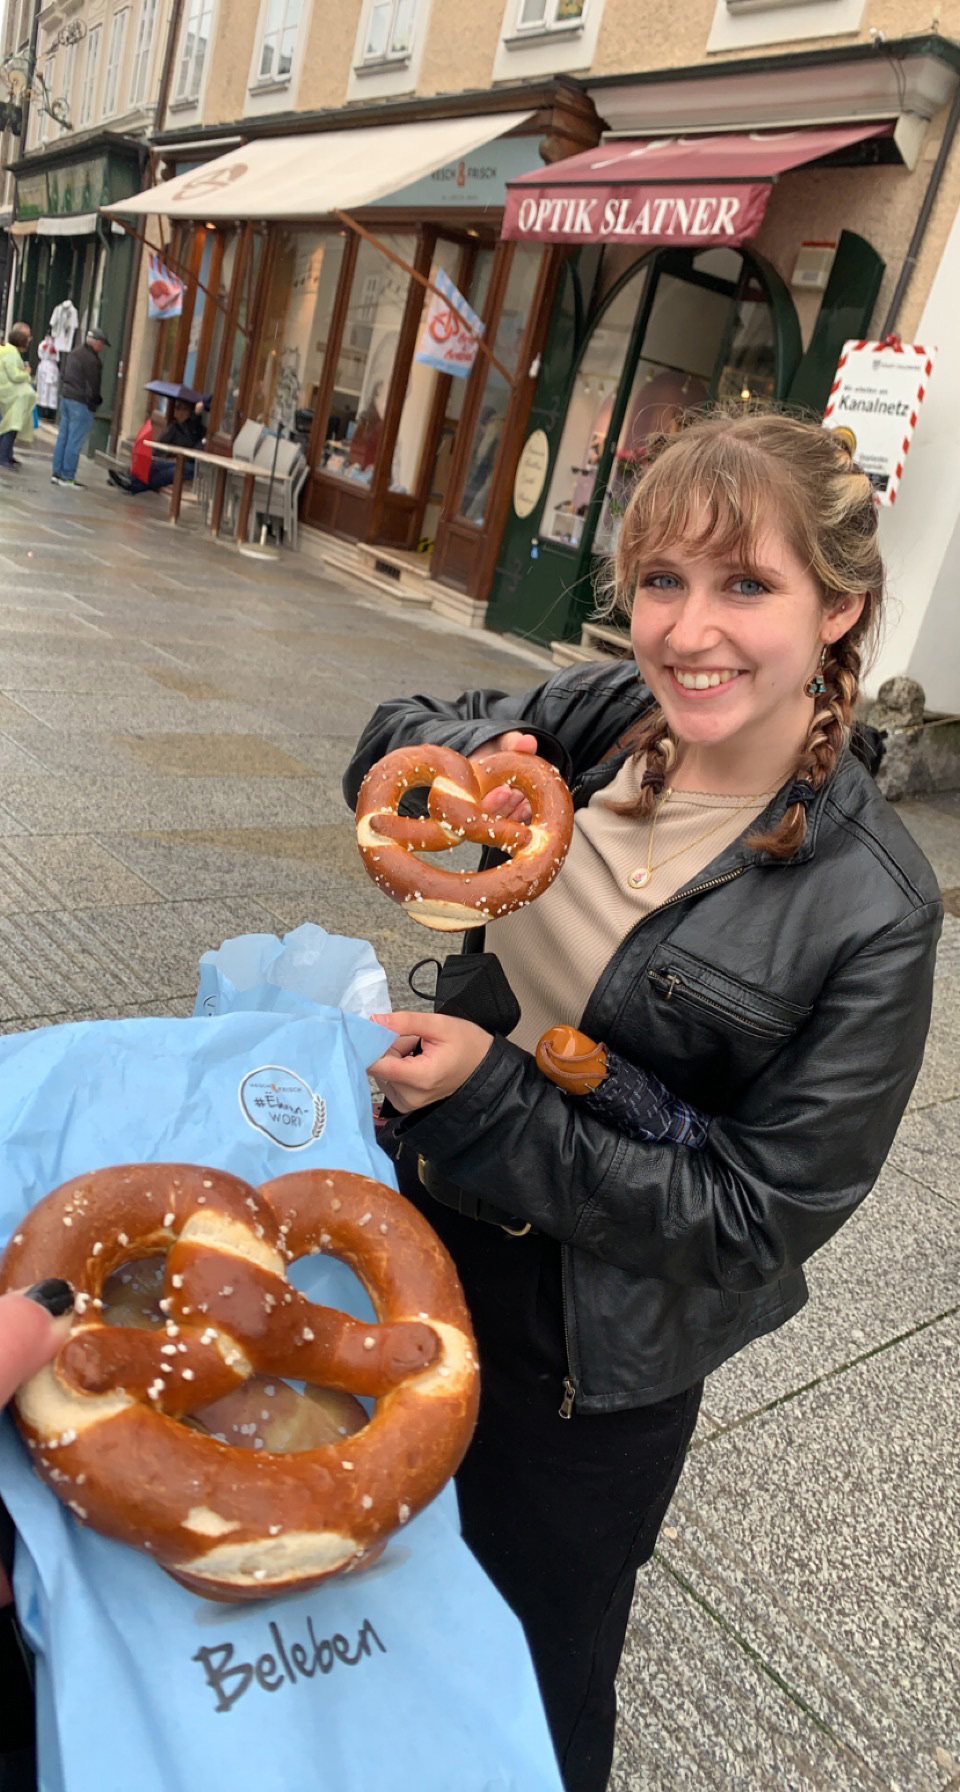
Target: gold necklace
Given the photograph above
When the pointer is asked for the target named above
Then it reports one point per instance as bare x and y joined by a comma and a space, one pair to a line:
639, 879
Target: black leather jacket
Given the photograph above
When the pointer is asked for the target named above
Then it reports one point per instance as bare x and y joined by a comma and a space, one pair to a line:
789, 999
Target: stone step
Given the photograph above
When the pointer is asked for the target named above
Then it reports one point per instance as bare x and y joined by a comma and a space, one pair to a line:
606, 640
571, 653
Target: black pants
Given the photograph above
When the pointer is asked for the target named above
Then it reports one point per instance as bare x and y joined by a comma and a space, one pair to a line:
560, 1514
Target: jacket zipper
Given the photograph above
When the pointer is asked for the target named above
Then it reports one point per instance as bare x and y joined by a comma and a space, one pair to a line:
673, 985
569, 1385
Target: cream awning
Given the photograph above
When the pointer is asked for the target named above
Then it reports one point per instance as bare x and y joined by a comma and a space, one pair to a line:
313, 176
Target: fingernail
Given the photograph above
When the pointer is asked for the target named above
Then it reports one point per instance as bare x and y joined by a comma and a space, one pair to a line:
56, 1296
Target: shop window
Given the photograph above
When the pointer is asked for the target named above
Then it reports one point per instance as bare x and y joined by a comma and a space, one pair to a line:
389, 33
190, 366
507, 344
549, 15
193, 52
89, 90
292, 348
590, 412
229, 418
281, 29
118, 32
143, 51
368, 349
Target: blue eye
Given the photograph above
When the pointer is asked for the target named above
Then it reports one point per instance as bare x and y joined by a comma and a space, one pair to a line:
661, 581
747, 587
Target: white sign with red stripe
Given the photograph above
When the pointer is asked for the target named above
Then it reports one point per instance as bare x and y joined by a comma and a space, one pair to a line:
875, 399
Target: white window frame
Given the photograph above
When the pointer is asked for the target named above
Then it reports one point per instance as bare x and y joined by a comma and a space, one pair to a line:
388, 57
190, 70
49, 76
91, 69
549, 24
118, 38
755, 24
274, 77
66, 84
143, 52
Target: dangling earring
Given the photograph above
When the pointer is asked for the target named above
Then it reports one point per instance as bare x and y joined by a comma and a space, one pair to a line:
816, 686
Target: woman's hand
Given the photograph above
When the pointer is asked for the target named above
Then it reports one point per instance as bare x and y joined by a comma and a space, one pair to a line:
33, 1326
511, 804
450, 1051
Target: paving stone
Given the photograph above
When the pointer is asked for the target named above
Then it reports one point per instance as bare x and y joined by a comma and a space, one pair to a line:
893, 1266
55, 871
927, 1147
939, 1078
211, 861
213, 755
60, 805
823, 1537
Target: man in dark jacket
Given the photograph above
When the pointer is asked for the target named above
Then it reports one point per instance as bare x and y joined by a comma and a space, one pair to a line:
80, 399
187, 430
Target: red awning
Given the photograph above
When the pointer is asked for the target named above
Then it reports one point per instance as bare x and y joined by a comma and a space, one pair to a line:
687, 191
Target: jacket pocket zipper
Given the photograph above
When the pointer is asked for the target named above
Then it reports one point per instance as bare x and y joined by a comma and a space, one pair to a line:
673, 986
569, 1396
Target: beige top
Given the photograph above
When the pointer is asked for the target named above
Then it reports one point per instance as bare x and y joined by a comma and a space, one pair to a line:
554, 951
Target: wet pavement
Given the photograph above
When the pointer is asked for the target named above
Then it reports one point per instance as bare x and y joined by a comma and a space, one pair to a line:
174, 722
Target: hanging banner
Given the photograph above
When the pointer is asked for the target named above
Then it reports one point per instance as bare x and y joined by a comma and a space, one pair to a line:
874, 401
451, 330
164, 290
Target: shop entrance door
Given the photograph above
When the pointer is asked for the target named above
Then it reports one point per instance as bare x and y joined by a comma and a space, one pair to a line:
681, 329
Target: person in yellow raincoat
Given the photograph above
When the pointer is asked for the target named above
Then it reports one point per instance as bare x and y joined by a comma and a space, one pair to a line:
17, 395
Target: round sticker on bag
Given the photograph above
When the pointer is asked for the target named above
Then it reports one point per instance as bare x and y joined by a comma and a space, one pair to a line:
278, 1103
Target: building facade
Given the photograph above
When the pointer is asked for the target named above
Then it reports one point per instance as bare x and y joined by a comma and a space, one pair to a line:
496, 498
86, 85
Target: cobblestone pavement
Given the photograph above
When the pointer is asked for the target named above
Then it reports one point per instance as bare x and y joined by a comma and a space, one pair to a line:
173, 725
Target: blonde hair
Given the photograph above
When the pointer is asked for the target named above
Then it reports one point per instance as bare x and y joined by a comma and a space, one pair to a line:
716, 484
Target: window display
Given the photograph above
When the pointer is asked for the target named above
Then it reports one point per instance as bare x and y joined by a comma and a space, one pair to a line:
511, 329
229, 420
293, 340
368, 349
589, 413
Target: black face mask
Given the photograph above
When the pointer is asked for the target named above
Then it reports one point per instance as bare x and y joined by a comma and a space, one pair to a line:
472, 986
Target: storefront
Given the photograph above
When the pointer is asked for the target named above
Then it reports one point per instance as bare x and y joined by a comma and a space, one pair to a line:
693, 315
313, 321
67, 251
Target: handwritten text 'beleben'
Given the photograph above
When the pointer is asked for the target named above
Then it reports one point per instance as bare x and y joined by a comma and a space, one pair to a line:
285, 1665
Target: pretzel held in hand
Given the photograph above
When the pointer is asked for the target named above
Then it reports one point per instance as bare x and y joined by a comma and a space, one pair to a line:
455, 900
103, 1420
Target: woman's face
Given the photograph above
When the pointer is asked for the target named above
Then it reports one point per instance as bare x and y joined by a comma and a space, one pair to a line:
727, 648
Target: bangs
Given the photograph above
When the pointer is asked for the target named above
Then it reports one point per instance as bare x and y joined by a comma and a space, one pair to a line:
708, 494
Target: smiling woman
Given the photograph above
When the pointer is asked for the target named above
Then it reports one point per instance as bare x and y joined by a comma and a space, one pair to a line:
743, 922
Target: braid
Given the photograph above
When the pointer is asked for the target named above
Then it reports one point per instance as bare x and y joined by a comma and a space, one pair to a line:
652, 740
832, 717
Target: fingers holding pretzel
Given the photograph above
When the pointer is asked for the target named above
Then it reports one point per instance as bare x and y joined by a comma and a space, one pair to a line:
467, 801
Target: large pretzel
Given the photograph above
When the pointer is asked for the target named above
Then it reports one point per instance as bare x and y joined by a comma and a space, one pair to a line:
104, 1420
453, 900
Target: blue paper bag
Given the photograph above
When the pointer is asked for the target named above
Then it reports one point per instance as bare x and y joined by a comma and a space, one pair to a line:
410, 1677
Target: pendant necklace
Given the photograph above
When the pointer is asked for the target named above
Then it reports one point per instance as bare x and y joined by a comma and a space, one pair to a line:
639, 879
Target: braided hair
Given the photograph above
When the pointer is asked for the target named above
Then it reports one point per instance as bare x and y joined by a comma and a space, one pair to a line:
714, 485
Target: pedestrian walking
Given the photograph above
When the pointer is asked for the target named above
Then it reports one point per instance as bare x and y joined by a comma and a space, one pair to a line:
17, 396
80, 399
740, 916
